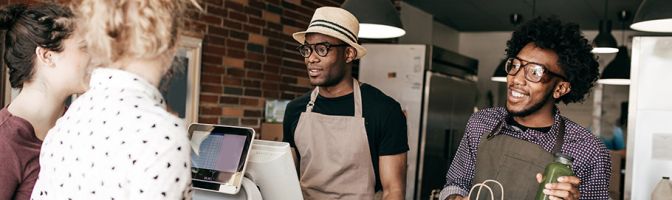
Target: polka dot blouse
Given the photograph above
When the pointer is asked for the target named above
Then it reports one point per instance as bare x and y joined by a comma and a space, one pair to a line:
116, 141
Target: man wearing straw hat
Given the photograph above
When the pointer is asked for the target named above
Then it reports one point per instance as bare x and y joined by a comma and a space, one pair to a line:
350, 137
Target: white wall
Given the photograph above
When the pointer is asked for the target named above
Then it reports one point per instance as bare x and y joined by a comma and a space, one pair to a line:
649, 150
445, 37
488, 48
422, 29
417, 23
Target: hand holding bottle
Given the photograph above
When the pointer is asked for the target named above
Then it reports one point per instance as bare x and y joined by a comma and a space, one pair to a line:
558, 181
567, 187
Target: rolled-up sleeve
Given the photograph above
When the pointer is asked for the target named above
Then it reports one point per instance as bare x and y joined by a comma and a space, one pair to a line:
462, 169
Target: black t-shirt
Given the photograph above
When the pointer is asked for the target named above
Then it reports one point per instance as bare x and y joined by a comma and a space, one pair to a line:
513, 122
385, 122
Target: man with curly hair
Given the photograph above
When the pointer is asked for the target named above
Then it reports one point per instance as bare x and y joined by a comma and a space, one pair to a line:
548, 62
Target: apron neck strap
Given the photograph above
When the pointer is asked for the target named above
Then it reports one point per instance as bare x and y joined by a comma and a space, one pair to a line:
356, 92
495, 131
557, 148
358, 98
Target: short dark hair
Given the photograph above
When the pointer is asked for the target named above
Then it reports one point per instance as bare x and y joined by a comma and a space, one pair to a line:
566, 40
45, 25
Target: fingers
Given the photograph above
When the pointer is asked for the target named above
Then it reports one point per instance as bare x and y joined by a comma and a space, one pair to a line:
566, 188
570, 179
557, 194
554, 198
539, 178
559, 186
572, 191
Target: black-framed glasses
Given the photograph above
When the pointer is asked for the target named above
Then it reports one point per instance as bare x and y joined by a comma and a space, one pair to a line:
322, 48
534, 72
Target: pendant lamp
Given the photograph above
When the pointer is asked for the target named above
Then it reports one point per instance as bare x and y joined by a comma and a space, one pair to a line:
617, 72
378, 19
605, 42
653, 16
500, 72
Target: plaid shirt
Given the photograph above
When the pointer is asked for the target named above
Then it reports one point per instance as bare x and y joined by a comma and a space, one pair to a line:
591, 159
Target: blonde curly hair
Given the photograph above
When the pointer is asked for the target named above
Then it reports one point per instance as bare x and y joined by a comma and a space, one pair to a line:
118, 30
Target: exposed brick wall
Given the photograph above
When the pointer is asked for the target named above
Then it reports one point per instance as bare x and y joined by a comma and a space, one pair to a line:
249, 56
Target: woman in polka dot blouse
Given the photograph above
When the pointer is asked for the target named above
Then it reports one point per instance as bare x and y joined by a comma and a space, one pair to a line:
117, 141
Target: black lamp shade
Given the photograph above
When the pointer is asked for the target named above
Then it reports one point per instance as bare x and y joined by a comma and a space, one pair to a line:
653, 16
617, 72
605, 42
378, 19
500, 72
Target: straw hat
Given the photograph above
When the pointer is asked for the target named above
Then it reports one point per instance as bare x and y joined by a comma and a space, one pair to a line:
335, 22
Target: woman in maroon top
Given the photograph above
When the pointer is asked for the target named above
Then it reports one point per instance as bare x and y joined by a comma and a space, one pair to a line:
47, 63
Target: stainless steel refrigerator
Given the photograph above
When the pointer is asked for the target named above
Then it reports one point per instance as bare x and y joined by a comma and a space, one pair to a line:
437, 90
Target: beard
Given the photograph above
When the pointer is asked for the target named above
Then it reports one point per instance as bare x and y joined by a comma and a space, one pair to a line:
532, 109
332, 79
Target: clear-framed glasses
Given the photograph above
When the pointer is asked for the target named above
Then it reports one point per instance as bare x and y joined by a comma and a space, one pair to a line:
534, 72
322, 48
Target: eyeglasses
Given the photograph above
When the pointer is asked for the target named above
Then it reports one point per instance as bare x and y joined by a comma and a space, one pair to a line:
320, 48
534, 72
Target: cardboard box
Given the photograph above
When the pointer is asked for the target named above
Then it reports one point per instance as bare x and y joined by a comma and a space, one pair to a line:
271, 131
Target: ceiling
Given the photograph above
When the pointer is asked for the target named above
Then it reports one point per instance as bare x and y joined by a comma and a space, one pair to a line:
493, 15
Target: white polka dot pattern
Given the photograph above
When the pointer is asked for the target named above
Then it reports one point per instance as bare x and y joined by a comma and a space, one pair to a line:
591, 159
116, 141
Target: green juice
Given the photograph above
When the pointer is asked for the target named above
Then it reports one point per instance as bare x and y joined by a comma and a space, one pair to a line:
562, 166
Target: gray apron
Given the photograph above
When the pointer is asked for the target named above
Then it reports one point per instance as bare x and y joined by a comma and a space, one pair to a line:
335, 156
513, 162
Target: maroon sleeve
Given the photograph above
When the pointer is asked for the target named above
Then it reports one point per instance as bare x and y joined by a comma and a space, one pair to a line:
30, 174
9, 170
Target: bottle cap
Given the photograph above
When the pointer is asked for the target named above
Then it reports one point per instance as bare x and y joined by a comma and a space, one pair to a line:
666, 177
563, 158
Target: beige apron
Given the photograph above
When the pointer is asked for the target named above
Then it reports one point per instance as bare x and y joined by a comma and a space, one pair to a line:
334, 152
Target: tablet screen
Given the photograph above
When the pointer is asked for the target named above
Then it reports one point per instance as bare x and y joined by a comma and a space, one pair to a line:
219, 153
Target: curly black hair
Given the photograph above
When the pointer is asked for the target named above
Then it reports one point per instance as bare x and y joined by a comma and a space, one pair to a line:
573, 49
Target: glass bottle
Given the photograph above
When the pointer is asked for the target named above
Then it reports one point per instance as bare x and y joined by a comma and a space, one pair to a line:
562, 166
